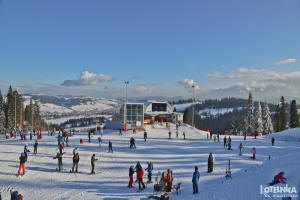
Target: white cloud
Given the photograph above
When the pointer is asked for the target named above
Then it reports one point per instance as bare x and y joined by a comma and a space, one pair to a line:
286, 61
86, 78
142, 89
189, 83
259, 78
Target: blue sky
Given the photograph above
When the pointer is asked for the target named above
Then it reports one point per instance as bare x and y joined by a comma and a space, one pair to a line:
155, 44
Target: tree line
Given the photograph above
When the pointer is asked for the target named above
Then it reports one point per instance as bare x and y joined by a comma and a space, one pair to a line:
13, 113
251, 118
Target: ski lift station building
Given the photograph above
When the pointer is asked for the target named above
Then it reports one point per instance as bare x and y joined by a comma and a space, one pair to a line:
136, 114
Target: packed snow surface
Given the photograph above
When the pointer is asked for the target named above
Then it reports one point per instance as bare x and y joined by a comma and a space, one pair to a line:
42, 181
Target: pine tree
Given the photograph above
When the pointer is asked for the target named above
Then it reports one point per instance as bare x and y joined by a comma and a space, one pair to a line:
267, 120
2, 121
294, 117
36, 115
187, 117
259, 121
282, 115
10, 110
2, 114
249, 119
277, 119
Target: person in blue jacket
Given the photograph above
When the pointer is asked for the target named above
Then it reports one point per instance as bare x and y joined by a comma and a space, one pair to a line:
195, 180
149, 170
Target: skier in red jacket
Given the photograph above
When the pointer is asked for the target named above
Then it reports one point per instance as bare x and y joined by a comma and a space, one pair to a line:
140, 174
278, 179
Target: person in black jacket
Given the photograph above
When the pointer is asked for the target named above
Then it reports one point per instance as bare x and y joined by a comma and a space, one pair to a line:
131, 172
35, 147
110, 147
22, 163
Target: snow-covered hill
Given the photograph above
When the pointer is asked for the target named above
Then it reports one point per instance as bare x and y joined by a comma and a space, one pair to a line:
57, 109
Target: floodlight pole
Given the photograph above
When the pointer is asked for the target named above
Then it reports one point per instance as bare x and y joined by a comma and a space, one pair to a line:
16, 111
125, 113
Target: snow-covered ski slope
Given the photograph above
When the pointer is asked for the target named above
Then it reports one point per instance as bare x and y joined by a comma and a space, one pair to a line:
42, 181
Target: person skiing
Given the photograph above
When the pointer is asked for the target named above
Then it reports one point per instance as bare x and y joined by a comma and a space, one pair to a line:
241, 149
183, 135
149, 170
218, 136
22, 159
195, 180
210, 163
170, 134
110, 147
225, 142
140, 174
26, 150
145, 136
89, 135
30, 134
75, 162
131, 172
132, 143
278, 178
93, 162
59, 157
273, 141
138, 166
120, 132
215, 138
253, 152
35, 147
229, 143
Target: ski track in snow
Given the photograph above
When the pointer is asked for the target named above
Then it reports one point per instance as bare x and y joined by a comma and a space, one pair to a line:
42, 181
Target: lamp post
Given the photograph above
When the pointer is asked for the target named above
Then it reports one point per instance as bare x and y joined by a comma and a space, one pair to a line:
193, 86
125, 106
16, 111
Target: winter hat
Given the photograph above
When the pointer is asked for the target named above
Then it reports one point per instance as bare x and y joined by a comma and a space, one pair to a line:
93, 154
196, 168
148, 162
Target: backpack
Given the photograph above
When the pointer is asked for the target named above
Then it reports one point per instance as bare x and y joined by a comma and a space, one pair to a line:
20, 197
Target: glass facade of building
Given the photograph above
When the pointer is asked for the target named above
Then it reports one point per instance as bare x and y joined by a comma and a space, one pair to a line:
134, 114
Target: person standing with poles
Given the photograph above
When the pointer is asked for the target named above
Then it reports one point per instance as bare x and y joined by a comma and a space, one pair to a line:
75, 162
241, 149
145, 136
110, 150
93, 162
35, 147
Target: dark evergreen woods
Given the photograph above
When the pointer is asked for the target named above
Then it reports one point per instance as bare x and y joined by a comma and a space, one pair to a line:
247, 116
13, 112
